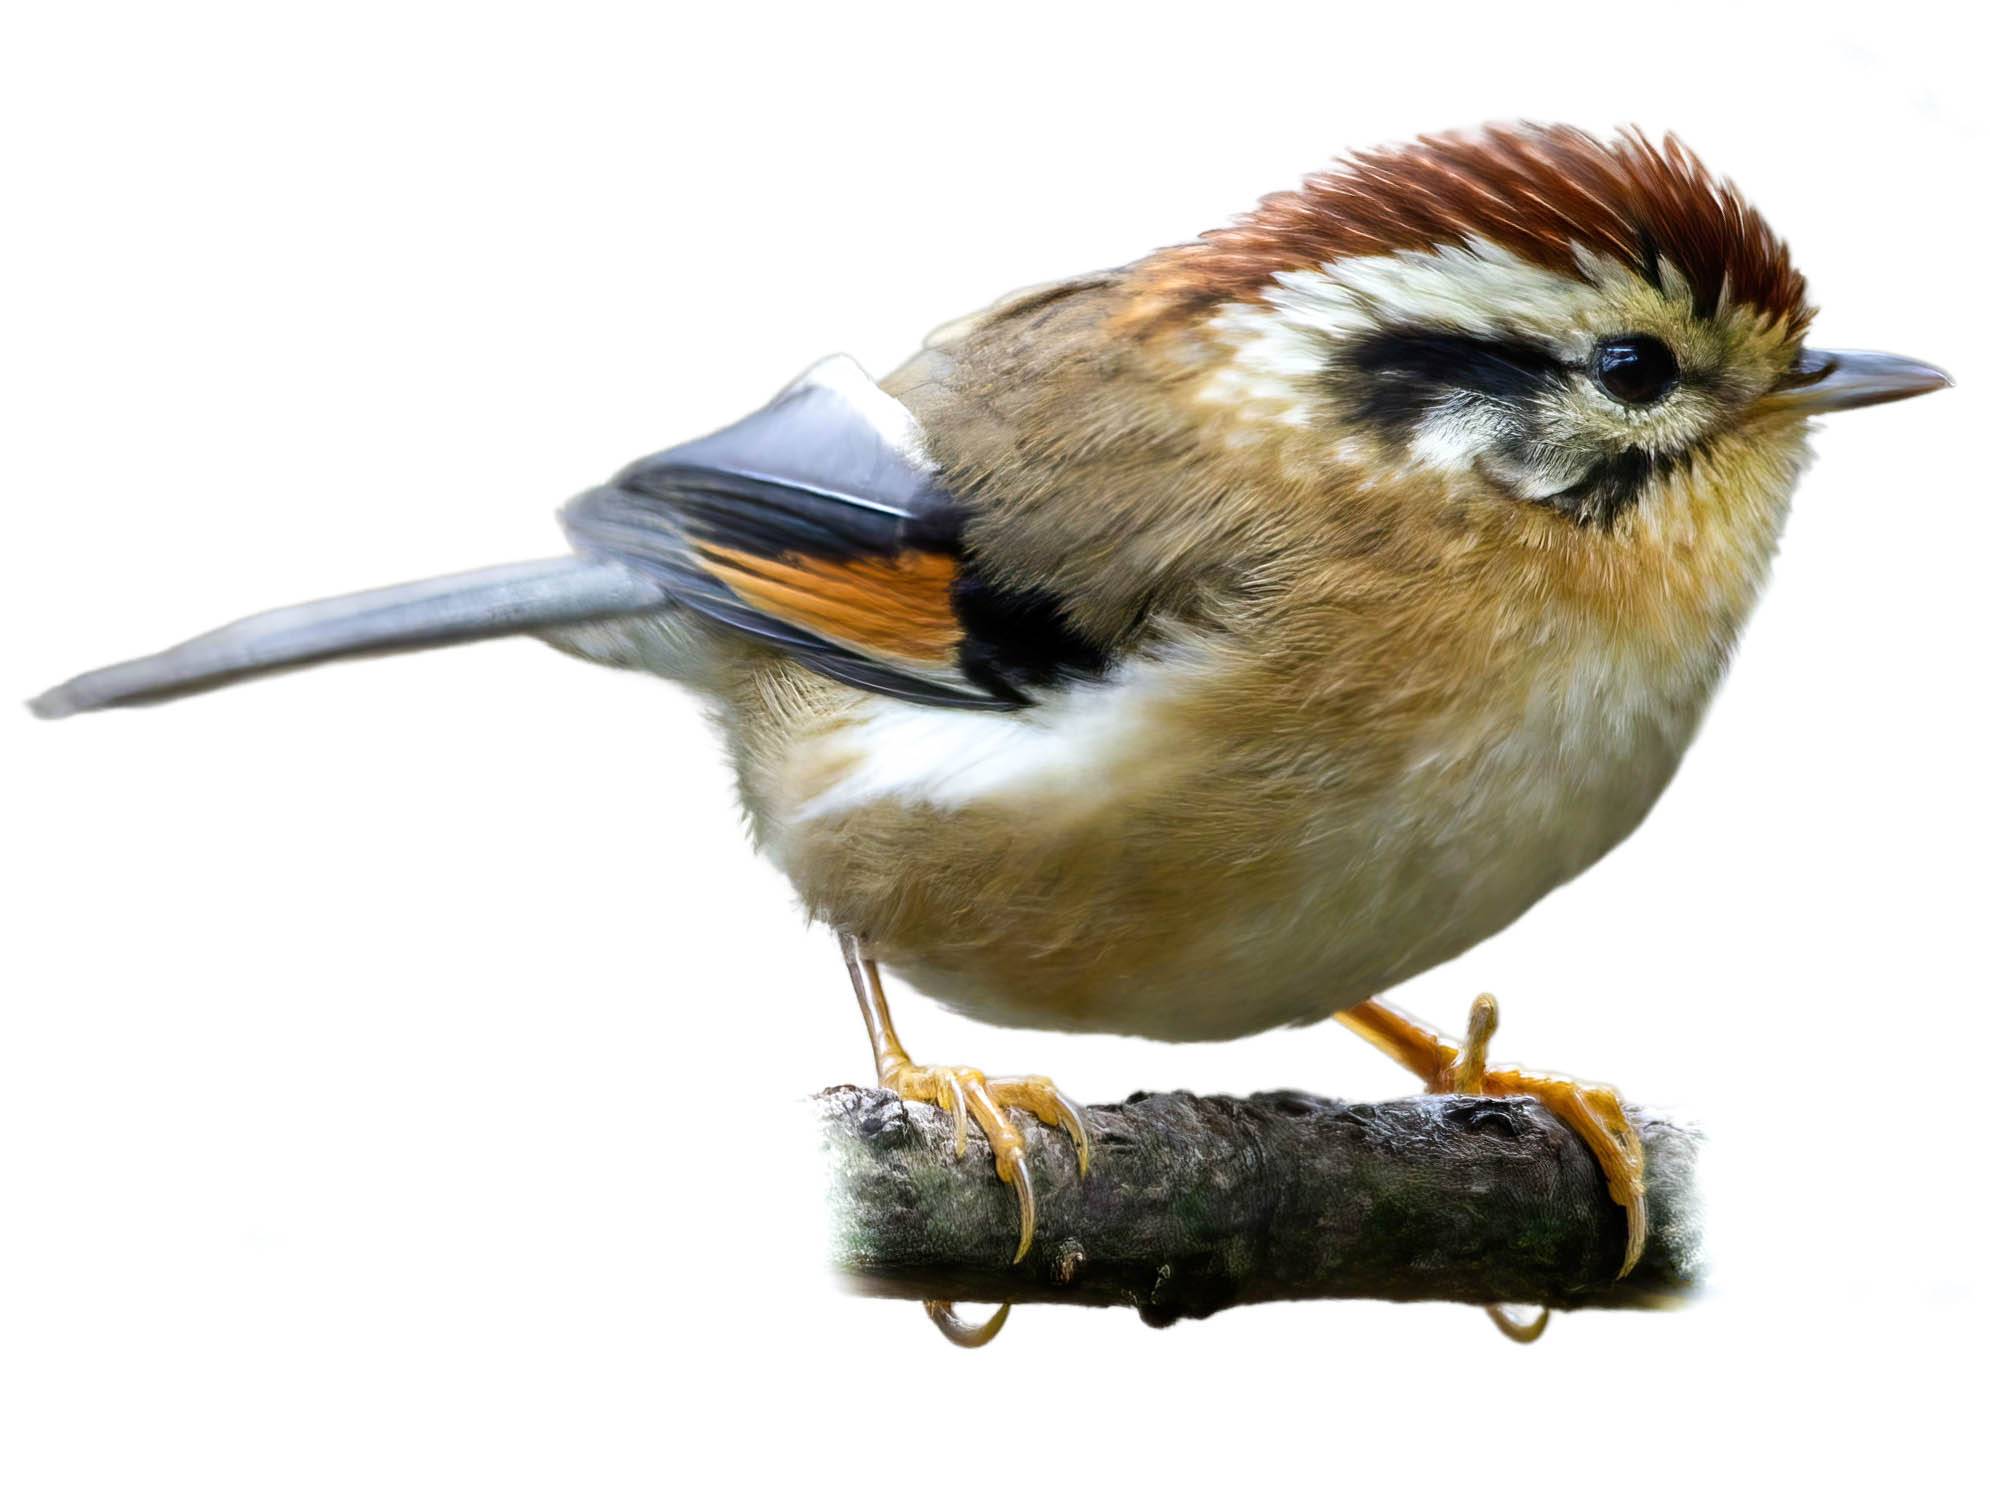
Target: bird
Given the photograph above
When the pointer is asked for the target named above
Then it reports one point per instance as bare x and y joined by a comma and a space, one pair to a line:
1209, 644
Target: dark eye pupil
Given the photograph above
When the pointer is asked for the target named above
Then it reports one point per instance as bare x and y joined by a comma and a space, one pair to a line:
1636, 370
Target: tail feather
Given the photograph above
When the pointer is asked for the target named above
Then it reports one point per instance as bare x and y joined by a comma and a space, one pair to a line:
495, 602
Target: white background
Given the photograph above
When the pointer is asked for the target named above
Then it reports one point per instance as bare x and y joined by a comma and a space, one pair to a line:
399, 1063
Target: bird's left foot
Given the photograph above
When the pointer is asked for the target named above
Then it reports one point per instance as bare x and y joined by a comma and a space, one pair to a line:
1593, 1111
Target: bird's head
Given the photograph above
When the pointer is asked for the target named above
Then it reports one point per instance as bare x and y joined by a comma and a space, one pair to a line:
1594, 351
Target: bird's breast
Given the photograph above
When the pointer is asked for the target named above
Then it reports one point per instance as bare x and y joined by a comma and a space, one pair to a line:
1181, 852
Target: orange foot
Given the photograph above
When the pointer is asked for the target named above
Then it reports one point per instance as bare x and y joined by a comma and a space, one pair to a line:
967, 1095
1594, 1112
964, 1093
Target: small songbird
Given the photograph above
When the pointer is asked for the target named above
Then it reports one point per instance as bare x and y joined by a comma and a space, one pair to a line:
1210, 644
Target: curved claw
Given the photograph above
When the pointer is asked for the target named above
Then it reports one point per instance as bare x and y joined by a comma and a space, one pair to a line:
1510, 1326
1628, 1190
1044, 1099
1073, 1123
1597, 1115
957, 1331
1026, 1202
1634, 1215
967, 1096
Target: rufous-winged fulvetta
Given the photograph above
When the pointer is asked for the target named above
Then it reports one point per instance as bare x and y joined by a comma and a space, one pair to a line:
1210, 644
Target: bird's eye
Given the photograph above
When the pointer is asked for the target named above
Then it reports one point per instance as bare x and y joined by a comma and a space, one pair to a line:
1636, 370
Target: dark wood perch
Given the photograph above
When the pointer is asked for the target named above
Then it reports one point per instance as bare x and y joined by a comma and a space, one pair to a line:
1194, 1205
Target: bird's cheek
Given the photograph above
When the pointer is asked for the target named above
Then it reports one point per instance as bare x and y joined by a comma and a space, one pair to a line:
1528, 468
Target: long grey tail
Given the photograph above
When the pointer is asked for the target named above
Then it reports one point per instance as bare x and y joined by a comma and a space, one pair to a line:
432, 613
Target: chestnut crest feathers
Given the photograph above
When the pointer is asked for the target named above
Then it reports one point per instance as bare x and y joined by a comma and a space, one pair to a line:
1547, 194
1530, 311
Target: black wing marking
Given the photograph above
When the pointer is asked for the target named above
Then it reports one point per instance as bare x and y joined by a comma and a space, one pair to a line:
818, 526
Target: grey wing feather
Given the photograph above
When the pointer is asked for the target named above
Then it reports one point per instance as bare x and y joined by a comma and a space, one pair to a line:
831, 474
830, 471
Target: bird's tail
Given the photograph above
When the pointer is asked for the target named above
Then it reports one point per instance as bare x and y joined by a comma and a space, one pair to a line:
497, 602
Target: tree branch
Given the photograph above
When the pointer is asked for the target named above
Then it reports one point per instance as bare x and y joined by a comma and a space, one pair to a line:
1193, 1205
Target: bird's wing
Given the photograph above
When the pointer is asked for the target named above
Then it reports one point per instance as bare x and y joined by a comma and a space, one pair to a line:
818, 526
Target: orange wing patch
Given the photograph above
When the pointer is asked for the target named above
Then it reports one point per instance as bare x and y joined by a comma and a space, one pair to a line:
895, 607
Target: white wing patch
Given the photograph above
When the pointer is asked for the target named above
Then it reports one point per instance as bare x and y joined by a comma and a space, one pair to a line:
845, 377
952, 758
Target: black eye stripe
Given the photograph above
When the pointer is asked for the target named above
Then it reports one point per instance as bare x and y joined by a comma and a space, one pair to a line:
1392, 379
1491, 365
1404, 372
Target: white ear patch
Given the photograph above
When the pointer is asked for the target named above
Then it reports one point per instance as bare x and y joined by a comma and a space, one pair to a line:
1456, 432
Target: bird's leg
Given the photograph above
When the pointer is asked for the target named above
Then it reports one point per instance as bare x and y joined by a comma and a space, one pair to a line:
966, 1094
1594, 1112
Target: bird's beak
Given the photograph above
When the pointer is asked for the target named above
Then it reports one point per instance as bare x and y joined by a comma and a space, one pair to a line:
1822, 381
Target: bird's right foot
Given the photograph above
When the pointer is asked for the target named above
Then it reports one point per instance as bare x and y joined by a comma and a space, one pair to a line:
967, 1095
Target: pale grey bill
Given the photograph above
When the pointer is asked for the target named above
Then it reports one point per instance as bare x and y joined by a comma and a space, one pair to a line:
445, 609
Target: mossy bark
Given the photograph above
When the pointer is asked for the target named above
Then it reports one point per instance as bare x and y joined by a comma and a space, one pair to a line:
1193, 1205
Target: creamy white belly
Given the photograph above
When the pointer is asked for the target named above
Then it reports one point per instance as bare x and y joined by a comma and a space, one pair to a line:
1391, 892
1485, 817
